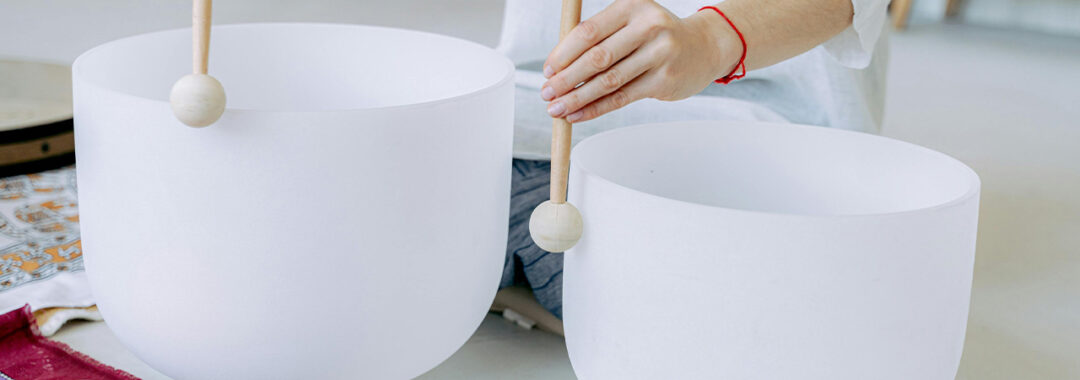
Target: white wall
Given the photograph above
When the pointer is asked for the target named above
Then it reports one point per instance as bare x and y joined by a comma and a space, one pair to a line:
60, 30
1050, 16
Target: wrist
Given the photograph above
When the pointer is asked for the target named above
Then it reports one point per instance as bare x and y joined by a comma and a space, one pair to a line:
723, 41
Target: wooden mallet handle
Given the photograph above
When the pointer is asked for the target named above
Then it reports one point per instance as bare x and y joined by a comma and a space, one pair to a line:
197, 99
200, 39
561, 129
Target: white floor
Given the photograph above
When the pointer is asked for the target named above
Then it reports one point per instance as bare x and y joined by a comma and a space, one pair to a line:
1005, 103
499, 350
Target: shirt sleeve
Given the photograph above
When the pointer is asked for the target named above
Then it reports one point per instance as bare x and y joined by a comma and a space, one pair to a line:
855, 45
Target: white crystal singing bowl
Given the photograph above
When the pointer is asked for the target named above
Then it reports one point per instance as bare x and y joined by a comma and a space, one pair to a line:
743, 250
345, 218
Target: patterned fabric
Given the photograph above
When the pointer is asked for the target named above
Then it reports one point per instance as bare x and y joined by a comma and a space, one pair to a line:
41, 260
39, 227
525, 262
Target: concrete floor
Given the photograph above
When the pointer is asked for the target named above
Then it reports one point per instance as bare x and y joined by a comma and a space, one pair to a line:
1003, 102
499, 350
1007, 105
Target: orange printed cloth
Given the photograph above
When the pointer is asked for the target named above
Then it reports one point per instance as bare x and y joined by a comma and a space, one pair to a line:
41, 260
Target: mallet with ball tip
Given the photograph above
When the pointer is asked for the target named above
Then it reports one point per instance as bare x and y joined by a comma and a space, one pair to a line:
556, 225
198, 100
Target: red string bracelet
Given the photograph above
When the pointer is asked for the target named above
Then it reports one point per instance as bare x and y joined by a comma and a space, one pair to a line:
741, 66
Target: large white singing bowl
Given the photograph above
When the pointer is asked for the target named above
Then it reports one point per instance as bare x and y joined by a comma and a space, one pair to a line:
345, 218
745, 250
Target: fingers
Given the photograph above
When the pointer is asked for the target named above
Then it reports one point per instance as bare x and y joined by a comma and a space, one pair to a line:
584, 36
595, 61
632, 92
603, 84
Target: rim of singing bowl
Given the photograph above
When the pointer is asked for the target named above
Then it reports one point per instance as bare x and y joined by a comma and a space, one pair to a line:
79, 66
971, 179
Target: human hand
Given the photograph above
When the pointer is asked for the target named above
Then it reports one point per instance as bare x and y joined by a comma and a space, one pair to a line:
636, 49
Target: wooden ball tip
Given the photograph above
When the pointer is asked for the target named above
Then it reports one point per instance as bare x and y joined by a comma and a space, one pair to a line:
197, 100
555, 227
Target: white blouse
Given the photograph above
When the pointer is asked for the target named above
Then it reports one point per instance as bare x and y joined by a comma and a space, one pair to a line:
839, 84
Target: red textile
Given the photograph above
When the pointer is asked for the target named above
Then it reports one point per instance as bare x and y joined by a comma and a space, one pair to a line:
26, 355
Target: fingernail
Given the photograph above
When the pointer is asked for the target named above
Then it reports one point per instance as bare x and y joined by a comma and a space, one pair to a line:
556, 109
547, 93
548, 71
575, 116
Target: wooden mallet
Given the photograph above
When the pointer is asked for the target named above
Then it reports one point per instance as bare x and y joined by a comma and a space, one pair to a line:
198, 100
556, 225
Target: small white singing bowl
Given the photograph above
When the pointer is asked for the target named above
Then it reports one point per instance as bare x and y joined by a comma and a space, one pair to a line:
347, 220
737, 250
